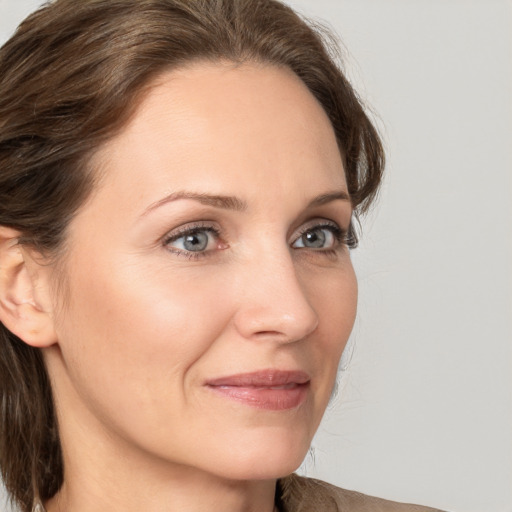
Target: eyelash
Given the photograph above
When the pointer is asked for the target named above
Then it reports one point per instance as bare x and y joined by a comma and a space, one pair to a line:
190, 229
342, 238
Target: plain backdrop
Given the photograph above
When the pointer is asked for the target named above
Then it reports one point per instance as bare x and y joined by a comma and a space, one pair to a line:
424, 409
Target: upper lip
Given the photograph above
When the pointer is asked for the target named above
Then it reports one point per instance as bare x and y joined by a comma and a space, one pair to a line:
262, 378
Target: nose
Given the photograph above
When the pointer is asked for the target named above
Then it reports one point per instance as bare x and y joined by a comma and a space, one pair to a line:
273, 303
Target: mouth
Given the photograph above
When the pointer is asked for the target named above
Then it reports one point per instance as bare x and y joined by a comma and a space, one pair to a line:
276, 390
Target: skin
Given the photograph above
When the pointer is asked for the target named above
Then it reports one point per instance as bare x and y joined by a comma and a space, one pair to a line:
147, 322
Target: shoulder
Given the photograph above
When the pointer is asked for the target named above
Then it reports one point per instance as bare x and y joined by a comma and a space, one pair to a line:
299, 494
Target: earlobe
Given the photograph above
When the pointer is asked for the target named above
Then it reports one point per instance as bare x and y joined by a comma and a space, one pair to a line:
23, 282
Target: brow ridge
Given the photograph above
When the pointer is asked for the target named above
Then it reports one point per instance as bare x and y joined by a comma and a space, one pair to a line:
235, 203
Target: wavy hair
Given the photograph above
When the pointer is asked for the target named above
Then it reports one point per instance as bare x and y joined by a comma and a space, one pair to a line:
71, 77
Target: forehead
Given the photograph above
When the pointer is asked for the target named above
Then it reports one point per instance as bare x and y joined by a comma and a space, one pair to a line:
226, 126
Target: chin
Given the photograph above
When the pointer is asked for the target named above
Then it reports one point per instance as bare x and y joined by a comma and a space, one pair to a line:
269, 458
267, 469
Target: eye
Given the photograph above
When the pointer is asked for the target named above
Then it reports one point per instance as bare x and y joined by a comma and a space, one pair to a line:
194, 242
325, 236
190, 240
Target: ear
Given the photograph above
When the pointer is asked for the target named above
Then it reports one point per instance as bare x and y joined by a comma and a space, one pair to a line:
25, 305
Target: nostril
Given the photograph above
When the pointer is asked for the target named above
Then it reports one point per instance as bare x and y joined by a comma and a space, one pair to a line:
268, 333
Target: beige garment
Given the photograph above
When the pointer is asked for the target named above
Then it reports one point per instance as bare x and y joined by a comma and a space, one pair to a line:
298, 494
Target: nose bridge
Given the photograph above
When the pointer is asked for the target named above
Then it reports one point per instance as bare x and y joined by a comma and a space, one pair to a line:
273, 301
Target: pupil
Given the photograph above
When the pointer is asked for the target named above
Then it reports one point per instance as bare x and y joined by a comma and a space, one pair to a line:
196, 242
314, 239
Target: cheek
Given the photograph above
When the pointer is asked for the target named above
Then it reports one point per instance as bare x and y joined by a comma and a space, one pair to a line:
333, 295
131, 334
334, 298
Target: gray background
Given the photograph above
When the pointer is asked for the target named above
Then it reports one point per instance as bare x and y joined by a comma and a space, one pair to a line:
424, 412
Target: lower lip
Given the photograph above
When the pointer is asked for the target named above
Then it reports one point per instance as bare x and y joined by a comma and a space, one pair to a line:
274, 399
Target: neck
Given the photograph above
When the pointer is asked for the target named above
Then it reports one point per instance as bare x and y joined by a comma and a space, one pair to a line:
184, 494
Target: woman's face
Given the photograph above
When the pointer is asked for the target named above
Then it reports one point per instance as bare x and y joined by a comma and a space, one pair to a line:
211, 292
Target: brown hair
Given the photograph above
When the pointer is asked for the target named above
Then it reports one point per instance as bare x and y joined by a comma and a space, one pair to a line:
71, 76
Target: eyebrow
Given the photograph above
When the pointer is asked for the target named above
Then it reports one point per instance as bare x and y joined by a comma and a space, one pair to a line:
329, 197
217, 201
234, 203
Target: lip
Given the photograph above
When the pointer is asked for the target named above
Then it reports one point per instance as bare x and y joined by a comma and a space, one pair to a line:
271, 389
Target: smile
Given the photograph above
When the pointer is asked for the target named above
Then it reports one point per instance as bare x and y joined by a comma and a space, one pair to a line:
275, 390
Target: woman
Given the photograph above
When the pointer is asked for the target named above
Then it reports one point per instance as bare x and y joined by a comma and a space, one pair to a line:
178, 181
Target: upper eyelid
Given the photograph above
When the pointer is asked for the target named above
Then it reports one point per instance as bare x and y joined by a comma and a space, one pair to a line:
190, 227
213, 226
315, 223
318, 222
